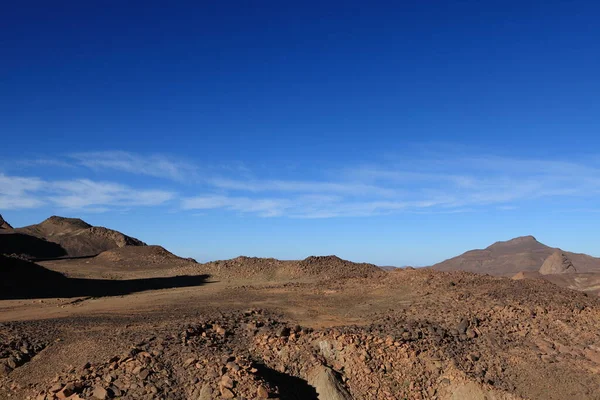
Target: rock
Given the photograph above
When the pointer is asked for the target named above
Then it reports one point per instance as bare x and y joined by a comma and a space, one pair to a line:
557, 263
327, 385
226, 393
11, 362
462, 326
143, 374
232, 366
100, 393
262, 392
56, 387
189, 362
226, 381
4, 370
284, 332
65, 392
206, 392
220, 330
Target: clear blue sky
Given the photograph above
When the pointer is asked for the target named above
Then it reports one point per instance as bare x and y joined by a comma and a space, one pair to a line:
395, 134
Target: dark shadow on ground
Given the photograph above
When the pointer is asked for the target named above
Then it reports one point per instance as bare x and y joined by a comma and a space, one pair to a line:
19, 243
290, 387
21, 279
62, 258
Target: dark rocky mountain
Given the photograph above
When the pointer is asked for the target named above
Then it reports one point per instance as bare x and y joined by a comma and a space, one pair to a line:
4, 224
76, 237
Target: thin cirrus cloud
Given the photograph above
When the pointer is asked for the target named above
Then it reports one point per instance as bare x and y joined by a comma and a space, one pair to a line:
450, 185
435, 185
158, 166
83, 194
18, 192
342, 188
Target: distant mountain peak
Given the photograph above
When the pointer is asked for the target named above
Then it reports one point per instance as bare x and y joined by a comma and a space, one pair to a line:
520, 241
57, 220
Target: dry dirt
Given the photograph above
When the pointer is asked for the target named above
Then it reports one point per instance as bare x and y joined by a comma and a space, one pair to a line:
119, 319
415, 334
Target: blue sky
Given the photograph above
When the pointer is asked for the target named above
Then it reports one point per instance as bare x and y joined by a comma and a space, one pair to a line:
395, 134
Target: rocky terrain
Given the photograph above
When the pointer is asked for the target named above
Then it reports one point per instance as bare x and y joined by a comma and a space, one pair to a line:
270, 269
77, 237
138, 322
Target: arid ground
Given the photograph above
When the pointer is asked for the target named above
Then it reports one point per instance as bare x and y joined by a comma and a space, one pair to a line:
137, 322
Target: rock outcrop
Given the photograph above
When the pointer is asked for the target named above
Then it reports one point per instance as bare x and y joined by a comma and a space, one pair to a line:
327, 385
557, 263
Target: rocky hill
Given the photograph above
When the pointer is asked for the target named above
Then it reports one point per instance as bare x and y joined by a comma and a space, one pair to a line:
4, 224
77, 237
253, 268
510, 257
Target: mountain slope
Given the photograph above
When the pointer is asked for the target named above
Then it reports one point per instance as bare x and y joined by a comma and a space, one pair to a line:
4, 224
510, 257
77, 237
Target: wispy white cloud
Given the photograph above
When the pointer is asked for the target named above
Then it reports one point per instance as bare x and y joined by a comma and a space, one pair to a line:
302, 206
17, 192
352, 188
450, 185
263, 206
82, 194
442, 183
158, 166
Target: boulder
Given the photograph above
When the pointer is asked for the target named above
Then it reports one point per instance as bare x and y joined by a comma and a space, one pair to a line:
327, 385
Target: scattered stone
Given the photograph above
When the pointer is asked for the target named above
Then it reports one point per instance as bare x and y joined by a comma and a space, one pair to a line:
226, 381
262, 392
100, 393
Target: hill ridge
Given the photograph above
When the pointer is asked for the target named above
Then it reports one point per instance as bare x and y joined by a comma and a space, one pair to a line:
77, 237
507, 258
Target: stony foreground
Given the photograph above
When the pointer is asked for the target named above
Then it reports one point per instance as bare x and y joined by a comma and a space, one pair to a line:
416, 334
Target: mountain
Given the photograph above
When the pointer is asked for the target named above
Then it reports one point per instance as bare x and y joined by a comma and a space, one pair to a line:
4, 224
77, 237
507, 258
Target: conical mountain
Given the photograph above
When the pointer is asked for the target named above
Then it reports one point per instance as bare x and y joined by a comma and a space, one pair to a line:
504, 258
